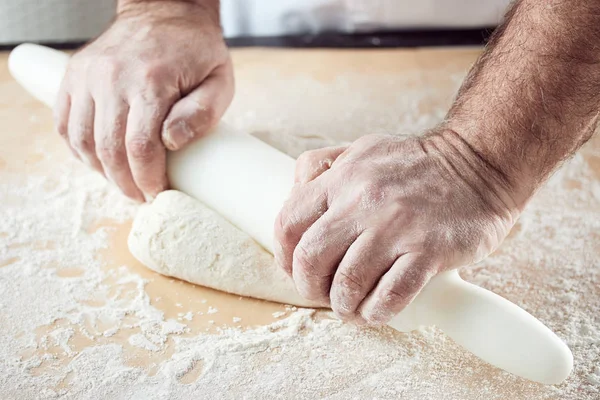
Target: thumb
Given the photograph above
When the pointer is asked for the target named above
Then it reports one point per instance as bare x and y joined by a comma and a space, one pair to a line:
193, 115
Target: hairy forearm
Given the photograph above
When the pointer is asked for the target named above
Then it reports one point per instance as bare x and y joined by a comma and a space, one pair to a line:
533, 97
211, 6
214, 4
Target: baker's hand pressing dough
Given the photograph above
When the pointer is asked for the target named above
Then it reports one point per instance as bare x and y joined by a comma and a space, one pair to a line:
366, 232
159, 76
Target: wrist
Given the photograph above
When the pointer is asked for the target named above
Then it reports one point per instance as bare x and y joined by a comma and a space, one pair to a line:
505, 195
140, 7
500, 149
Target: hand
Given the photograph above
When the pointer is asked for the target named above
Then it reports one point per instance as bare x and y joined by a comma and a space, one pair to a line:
367, 227
158, 77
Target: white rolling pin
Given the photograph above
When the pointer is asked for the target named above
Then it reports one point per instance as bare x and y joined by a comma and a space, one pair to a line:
247, 181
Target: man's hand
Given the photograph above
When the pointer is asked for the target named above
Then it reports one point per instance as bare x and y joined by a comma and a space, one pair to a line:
158, 77
366, 234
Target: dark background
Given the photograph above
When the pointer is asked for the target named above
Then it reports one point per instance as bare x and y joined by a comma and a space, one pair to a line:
388, 39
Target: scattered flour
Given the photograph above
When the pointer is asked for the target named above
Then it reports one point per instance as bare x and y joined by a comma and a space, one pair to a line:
139, 340
549, 265
188, 316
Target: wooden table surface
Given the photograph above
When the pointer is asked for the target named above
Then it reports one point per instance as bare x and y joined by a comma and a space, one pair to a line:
294, 99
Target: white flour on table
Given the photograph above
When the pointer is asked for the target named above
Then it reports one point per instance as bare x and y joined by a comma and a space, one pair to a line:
549, 266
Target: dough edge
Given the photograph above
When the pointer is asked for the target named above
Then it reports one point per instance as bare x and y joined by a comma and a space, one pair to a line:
179, 236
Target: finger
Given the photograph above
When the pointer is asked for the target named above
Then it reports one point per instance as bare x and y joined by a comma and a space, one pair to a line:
396, 289
193, 115
365, 262
318, 254
306, 204
81, 130
109, 136
313, 163
61, 112
61, 120
145, 152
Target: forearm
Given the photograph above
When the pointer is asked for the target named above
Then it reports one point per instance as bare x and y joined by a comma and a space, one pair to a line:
211, 6
533, 97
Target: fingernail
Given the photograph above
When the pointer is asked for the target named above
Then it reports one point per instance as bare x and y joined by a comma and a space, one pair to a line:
109, 179
148, 198
86, 162
137, 197
177, 135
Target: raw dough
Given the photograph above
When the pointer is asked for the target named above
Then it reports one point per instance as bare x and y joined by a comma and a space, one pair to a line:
179, 236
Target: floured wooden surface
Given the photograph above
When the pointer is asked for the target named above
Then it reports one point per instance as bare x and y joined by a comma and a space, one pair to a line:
81, 319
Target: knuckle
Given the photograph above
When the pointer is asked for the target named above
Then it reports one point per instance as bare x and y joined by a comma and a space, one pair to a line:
111, 154
82, 140
397, 292
305, 261
349, 282
111, 69
307, 158
151, 96
153, 72
345, 294
99, 70
141, 148
393, 295
106, 64
284, 229
61, 126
